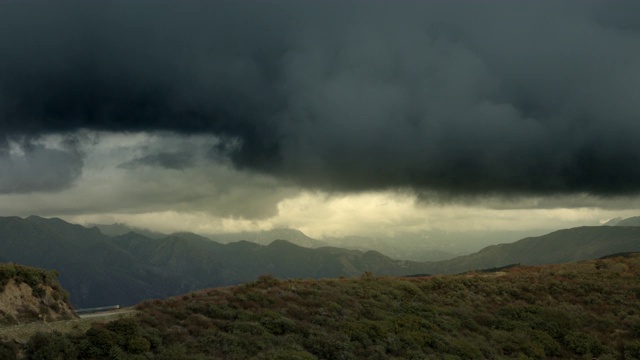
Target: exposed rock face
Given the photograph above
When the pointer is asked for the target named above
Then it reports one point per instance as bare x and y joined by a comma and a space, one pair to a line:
26, 301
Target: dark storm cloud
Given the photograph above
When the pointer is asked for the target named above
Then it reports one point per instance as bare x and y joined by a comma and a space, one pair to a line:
167, 160
472, 98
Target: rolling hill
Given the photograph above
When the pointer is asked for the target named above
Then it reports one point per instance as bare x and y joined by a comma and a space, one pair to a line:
581, 310
581, 243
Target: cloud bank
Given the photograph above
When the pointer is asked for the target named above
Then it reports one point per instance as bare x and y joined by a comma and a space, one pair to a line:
491, 98
31, 166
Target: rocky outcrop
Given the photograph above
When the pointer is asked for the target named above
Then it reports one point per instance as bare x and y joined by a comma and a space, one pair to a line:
34, 297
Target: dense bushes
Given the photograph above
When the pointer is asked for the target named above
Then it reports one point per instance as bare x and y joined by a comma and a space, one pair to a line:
8, 350
50, 346
120, 339
525, 312
36, 278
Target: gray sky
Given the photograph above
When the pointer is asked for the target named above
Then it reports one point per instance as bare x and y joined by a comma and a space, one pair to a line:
370, 115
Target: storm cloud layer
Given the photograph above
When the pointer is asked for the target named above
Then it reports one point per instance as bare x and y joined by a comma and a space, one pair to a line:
471, 98
37, 168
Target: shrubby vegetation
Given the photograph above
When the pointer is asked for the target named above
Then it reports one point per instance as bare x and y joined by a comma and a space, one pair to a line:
8, 350
47, 300
34, 277
582, 310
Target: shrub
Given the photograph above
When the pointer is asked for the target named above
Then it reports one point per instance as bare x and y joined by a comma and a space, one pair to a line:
38, 291
277, 324
328, 347
177, 351
123, 330
549, 345
632, 350
464, 349
50, 346
288, 355
267, 281
138, 345
99, 342
8, 351
582, 344
154, 336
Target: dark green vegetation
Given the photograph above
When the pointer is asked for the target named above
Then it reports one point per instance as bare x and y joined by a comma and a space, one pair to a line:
101, 270
589, 309
31, 294
36, 278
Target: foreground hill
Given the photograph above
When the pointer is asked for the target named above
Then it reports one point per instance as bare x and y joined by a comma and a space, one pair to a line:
30, 294
581, 310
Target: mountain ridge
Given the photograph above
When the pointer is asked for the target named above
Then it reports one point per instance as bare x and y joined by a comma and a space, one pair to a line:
103, 270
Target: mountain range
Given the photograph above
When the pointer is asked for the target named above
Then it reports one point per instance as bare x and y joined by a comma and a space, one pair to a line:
99, 269
431, 245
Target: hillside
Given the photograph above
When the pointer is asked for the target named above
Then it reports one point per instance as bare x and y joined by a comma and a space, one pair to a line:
94, 270
632, 221
200, 263
583, 310
581, 243
432, 245
117, 229
30, 294
101, 270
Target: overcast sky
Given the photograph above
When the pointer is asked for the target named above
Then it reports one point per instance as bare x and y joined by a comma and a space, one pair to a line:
334, 117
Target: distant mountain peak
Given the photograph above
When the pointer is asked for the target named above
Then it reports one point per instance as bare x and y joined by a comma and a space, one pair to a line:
40, 219
266, 237
613, 222
282, 243
190, 236
117, 229
632, 221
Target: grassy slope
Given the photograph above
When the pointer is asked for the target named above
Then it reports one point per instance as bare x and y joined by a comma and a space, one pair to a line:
589, 309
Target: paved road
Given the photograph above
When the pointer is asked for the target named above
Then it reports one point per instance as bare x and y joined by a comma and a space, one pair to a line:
106, 313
